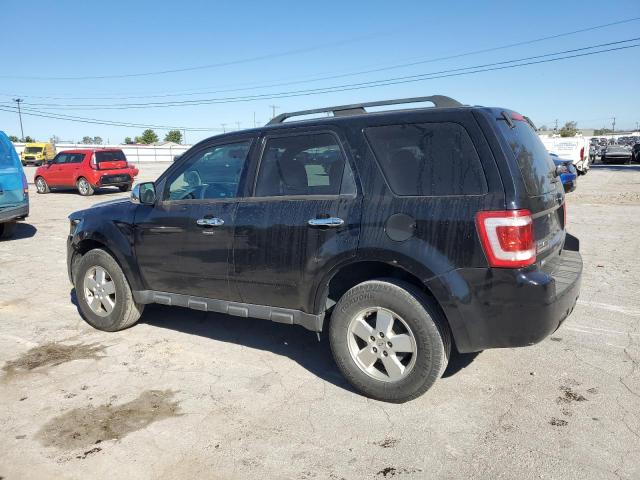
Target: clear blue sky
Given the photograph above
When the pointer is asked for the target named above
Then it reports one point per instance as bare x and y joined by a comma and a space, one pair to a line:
306, 40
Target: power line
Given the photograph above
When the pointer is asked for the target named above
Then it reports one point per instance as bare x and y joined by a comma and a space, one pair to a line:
38, 113
95, 121
341, 75
202, 67
361, 85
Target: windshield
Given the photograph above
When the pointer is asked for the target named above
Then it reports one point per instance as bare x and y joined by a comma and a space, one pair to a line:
536, 166
33, 150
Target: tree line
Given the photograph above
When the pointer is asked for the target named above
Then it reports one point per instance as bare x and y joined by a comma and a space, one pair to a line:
148, 137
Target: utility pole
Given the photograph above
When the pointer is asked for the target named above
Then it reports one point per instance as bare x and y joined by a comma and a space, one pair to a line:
254, 120
224, 130
238, 124
273, 110
556, 127
19, 101
613, 125
184, 136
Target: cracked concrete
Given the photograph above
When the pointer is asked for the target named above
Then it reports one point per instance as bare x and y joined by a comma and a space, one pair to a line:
251, 399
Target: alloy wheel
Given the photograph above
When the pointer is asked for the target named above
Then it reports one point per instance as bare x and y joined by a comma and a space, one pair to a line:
99, 291
382, 344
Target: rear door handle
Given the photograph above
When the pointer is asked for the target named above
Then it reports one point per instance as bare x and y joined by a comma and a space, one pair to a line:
326, 222
210, 222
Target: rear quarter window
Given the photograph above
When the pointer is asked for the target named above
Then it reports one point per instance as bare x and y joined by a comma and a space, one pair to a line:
535, 163
428, 159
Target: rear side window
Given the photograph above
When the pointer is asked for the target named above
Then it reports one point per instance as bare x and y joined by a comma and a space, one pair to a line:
535, 163
428, 159
111, 156
6, 156
301, 165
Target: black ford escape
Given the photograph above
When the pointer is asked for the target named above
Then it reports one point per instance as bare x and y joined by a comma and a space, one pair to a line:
400, 232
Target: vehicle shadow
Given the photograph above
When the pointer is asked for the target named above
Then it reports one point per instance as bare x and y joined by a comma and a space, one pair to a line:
98, 191
292, 341
459, 361
23, 230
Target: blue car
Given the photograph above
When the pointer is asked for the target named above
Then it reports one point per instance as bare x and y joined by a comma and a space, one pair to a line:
567, 171
14, 190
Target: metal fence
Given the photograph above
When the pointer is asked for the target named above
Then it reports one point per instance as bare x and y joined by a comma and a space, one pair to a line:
134, 153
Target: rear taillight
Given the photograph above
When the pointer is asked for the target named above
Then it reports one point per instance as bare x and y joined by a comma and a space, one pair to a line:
582, 153
507, 237
94, 162
25, 185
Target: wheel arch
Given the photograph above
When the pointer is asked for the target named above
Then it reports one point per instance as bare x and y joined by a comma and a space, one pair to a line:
351, 274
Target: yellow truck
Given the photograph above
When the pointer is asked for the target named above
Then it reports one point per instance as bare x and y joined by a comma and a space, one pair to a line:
37, 153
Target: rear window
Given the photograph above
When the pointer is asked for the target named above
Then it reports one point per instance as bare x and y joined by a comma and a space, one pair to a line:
535, 163
111, 156
428, 159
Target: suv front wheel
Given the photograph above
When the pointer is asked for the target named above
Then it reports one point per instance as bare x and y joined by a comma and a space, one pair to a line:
389, 340
104, 296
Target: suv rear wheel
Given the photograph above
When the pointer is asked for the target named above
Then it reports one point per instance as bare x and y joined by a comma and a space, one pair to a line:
84, 187
104, 296
389, 340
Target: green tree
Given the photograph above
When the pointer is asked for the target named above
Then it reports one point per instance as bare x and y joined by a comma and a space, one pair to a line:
148, 137
87, 140
28, 139
173, 136
128, 141
97, 140
602, 131
569, 130
13, 138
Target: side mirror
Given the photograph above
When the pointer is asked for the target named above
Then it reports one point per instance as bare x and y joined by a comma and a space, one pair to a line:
144, 193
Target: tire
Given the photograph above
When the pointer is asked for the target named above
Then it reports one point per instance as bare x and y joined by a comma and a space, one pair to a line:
7, 230
125, 188
42, 186
84, 187
124, 310
414, 316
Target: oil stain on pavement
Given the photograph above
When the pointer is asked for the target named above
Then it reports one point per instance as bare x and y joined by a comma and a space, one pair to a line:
90, 425
51, 355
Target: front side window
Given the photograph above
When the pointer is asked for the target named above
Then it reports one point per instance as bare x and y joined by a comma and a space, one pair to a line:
428, 159
301, 165
212, 173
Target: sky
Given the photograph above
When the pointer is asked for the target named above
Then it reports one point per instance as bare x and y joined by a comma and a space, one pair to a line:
234, 54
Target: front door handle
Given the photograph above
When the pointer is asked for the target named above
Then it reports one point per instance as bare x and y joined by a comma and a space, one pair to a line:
210, 222
326, 222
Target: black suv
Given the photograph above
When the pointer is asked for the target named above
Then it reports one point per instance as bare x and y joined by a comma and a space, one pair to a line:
402, 233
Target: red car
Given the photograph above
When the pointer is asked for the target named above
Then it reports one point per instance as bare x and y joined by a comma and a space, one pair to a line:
86, 170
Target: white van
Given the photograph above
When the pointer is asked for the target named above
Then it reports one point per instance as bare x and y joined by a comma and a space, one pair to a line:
575, 149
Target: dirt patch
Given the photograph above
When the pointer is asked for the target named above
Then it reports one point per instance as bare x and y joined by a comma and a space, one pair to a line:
570, 396
387, 442
51, 355
558, 422
82, 427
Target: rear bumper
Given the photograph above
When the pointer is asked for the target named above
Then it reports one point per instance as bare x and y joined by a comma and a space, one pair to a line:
115, 179
8, 214
105, 178
494, 308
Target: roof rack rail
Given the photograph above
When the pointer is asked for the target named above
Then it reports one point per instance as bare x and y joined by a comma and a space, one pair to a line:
440, 101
